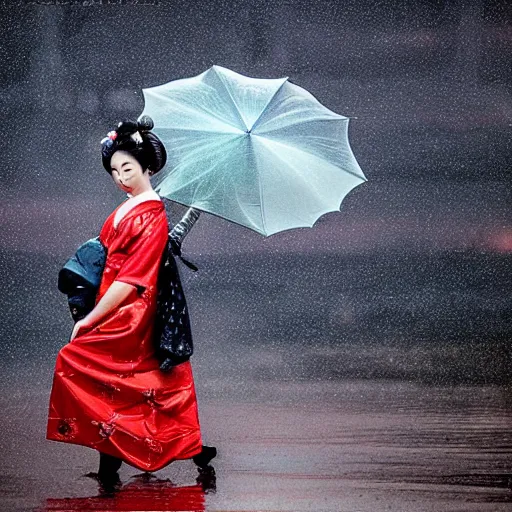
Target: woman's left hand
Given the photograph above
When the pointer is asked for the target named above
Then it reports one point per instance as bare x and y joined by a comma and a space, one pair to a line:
79, 325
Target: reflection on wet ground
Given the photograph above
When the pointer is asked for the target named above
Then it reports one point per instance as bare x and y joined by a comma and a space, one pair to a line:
142, 492
303, 445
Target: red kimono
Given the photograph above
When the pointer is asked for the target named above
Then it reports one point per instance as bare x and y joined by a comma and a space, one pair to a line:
108, 390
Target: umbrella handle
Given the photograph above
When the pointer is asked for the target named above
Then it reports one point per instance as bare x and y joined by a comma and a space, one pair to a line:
180, 230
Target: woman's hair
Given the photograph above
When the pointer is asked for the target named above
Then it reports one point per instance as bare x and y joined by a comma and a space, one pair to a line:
137, 139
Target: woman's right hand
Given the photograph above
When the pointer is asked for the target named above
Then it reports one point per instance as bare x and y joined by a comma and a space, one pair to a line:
81, 324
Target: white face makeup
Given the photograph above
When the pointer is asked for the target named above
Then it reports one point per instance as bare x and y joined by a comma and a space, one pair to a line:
128, 174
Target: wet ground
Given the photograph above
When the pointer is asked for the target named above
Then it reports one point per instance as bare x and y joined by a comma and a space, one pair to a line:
285, 445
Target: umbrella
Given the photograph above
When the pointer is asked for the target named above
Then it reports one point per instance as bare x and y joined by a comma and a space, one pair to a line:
263, 153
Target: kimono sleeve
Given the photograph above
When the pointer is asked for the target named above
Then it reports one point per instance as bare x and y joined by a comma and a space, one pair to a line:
148, 238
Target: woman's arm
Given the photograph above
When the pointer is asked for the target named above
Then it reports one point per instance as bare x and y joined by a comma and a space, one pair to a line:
115, 295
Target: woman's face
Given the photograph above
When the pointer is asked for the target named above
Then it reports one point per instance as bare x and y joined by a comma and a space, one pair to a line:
127, 173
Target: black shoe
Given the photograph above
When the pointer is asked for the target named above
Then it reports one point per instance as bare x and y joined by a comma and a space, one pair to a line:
207, 454
109, 484
207, 479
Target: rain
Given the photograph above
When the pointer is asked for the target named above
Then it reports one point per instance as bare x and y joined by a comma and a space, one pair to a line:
361, 364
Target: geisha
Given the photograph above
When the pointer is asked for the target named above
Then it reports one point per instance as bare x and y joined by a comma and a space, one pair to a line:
108, 391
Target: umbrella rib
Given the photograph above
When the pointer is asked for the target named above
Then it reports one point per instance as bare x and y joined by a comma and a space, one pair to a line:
268, 103
232, 99
350, 153
264, 131
188, 108
262, 205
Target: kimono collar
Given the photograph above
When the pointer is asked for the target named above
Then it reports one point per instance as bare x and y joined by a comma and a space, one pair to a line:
132, 201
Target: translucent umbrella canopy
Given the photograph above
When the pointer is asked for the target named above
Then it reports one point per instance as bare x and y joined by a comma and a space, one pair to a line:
263, 153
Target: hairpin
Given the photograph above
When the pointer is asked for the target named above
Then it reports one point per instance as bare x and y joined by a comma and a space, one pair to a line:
136, 137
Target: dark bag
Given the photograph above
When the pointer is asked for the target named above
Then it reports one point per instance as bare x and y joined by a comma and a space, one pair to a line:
80, 277
172, 332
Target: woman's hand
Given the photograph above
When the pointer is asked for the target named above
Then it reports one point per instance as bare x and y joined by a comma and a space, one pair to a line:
117, 292
79, 325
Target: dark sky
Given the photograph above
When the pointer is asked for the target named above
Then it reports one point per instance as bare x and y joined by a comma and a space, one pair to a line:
427, 85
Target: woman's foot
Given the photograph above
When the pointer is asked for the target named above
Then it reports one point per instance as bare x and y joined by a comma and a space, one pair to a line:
109, 465
207, 479
109, 484
203, 458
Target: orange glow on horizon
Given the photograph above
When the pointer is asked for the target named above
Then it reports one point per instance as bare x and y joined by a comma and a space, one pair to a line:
501, 241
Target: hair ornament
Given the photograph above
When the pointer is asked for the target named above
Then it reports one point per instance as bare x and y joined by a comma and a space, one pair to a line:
108, 141
136, 137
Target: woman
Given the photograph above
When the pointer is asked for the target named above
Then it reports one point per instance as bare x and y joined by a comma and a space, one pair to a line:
108, 390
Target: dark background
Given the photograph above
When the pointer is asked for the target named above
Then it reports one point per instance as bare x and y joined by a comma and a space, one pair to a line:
416, 266
362, 364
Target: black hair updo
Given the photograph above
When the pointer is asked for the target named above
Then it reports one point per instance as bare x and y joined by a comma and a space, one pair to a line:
137, 139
